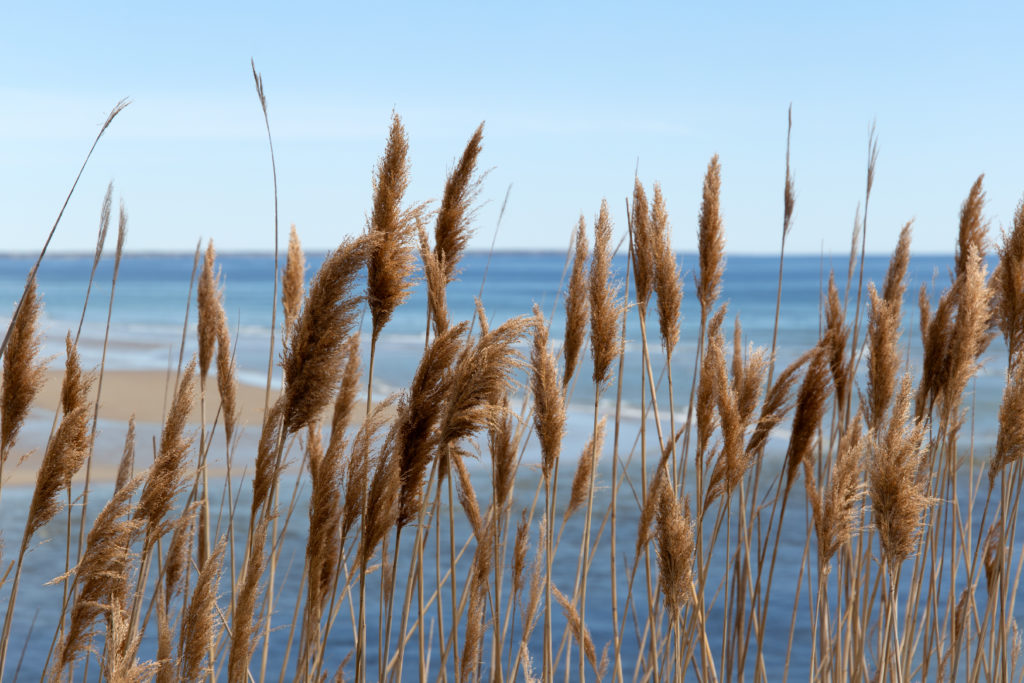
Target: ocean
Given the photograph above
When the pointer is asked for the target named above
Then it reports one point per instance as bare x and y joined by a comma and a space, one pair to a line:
146, 325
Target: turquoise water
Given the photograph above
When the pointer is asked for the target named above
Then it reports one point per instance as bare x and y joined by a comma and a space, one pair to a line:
146, 332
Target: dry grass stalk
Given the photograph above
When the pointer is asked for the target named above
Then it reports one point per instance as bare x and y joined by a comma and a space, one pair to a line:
577, 305
643, 247
164, 642
884, 356
165, 476
577, 628
605, 309
649, 510
994, 558
390, 262
477, 587
748, 382
67, 450
520, 547
884, 319
418, 413
777, 403
127, 463
732, 461
675, 550
970, 329
267, 465
357, 474
481, 376
312, 355
179, 552
548, 401
210, 309
227, 379
503, 445
382, 502
835, 514
455, 216
1010, 438
811, 401
102, 572
322, 542
1008, 283
710, 239
121, 664
585, 468
896, 480
23, 371
466, 494
198, 621
936, 333
667, 283
707, 394
244, 628
345, 399
437, 285
836, 334
74, 389
973, 227
293, 280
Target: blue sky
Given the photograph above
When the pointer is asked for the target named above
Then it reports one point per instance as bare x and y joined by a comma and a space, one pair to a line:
574, 97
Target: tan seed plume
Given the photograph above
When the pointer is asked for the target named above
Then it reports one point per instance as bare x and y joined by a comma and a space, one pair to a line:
227, 376
419, 410
710, 239
23, 371
777, 403
102, 572
1008, 283
455, 216
896, 481
199, 620
1010, 439
312, 355
357, 475
837, 333
836, 513
811, 401
642, 250
166, 475
667, 283
293, 280
605, 308
390, 262
67, 450
675, 550
437, 285
126, 466
577, 305
208, 296
973, 226
584, 469
548, 402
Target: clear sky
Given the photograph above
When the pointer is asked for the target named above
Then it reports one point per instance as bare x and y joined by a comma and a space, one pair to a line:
574, 97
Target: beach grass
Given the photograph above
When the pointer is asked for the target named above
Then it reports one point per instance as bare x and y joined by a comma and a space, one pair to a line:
433, 567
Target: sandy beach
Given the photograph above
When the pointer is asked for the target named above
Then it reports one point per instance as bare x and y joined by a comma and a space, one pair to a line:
146, 395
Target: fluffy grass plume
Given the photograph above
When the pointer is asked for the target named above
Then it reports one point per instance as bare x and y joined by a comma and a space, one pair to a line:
23, 370
389, 263
577, 304
605, 309
293, 280
313, 352
455, 216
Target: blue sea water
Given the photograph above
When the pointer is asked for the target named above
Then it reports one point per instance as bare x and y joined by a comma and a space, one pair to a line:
148, 316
